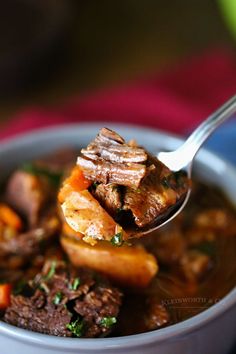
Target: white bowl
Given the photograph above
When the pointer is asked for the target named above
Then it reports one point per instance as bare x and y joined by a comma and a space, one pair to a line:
210, 332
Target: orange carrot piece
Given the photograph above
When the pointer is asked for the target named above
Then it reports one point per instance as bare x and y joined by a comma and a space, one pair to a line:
5, 295
75, 182
9, 217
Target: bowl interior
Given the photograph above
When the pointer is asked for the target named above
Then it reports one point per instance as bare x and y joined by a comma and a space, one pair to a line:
207, 166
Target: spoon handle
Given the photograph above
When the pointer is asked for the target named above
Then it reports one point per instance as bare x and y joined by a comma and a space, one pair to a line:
183, 156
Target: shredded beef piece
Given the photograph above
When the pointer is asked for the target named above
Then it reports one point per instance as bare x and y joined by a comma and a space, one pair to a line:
168, 245
28, 194
108, 159
33, 241
158, 192
112, 147
106, 172
100, 303
64, 301
38, 315
109, 196
150, 200
194, 265
157, 315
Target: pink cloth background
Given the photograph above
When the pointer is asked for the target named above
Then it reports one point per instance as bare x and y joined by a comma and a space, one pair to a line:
175, 101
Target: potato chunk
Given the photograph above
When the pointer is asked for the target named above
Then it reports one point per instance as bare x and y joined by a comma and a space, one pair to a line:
84, 214
129, 266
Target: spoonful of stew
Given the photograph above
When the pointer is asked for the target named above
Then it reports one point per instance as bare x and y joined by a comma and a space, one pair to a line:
118, 190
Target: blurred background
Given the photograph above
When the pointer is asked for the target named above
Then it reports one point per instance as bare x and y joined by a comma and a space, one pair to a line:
52, 50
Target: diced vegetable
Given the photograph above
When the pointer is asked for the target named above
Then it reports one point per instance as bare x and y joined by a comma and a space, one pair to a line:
84, 214
9, 217
131, 266
75, 182
5, 295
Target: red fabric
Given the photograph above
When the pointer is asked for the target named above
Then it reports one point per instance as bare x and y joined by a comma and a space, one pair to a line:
175, 101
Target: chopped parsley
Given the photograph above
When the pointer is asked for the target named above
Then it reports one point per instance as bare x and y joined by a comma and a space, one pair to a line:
75, 284
108, 321
94, 185
53, 177
117, 239
76, 327
51, 271
57, 298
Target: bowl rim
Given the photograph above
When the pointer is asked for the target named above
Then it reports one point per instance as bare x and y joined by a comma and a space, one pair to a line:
135, 340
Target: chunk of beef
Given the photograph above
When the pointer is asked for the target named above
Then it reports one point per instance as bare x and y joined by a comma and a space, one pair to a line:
96, 308
64, 301
33, 241
214, 218
28, 194
155, 195
168, 245
36, 314
108, 159
106, 172
194, 265
156, 315
109, 197
112, 147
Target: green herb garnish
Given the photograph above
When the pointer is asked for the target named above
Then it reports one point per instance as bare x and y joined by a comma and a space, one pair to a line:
53, 177
94, 185
108, 321
76, 327
75, 284
51, 271
57, 298
117, 239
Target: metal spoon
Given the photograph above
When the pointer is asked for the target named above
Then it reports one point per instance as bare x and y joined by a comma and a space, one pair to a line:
182, 158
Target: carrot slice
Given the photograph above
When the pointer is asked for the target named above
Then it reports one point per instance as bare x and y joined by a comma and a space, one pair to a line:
9, 217
75, 182
5, 295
